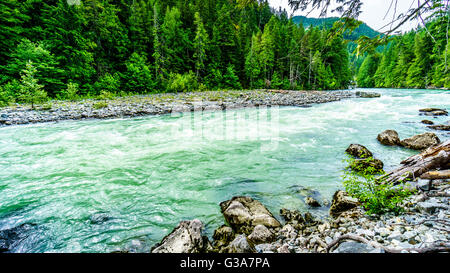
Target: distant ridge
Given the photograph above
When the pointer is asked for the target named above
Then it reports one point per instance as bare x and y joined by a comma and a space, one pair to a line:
363, 29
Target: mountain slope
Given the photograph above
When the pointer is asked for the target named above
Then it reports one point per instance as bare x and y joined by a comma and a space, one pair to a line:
363, 29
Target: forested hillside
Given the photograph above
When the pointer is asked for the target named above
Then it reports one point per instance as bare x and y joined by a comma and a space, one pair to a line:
417, 59
67, 49
328, 22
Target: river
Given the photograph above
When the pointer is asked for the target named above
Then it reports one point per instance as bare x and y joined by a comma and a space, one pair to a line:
148, 173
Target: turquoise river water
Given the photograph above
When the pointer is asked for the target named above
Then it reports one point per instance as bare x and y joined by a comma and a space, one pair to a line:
148, 173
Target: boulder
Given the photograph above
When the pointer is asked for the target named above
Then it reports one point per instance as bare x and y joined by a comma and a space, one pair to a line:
288, 232
9, 238
367, 94
389, 138
341, 203
362, 165
431, 206
420, 142
356, 247
244, 213
99, 218
440, 127
433, 112
428, 122
223, 236
240, 245
261, 235
187, 237
294, 218
312, 202
358, 151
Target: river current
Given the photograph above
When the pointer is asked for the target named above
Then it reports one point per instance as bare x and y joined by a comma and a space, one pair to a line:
141, 176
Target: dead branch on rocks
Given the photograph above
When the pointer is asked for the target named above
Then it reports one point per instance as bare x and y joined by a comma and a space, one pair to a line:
434, 248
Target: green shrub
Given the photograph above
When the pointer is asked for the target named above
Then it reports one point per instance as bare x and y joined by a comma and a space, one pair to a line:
138, 76
71, 92
376, 195
100, 105
182, 83
105, 95
4, 97
108, 83
230, 80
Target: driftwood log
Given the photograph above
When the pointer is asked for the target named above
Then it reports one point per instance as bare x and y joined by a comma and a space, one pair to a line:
434, 175
436, 157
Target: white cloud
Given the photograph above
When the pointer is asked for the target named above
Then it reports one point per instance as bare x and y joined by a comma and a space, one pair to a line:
373, 12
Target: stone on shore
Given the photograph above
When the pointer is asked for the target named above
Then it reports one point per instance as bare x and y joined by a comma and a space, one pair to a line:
187, 237
341, 203
244, 213
294, 218
431, 206
356, 247
389, 138
420, 142
240, 245
223, 236
358, 151
261, 235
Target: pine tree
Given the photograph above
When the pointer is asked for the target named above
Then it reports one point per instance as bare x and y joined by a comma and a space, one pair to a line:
31, 91
200, 45
138, 75
11, 27
418, 71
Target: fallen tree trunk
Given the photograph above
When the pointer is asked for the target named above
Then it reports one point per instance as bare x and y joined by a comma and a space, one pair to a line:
433, 175
436, 157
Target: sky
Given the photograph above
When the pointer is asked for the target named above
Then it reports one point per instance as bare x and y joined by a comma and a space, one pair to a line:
373, 12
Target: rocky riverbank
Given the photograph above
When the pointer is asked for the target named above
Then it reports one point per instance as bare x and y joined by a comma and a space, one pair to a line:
423, 226
158, 104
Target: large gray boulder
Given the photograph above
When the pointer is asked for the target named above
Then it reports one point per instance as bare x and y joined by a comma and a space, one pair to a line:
389, 138
421, 142
187, 237
342, 202
244, 213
